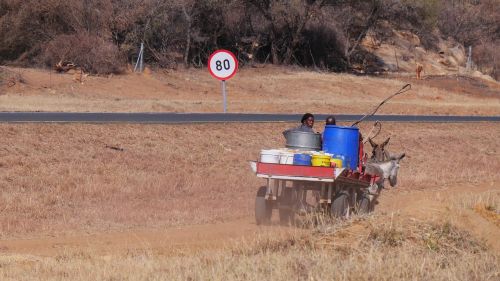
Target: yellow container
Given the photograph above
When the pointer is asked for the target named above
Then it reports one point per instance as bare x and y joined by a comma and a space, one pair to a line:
337, 162
321, 160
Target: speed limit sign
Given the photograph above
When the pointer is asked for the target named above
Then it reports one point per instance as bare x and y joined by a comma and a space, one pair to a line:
222, 64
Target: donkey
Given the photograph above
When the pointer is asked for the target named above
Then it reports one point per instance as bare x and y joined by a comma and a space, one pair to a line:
385, 170
379, 153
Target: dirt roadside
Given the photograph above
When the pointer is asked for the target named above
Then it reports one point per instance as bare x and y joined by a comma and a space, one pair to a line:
430, 204
269, 89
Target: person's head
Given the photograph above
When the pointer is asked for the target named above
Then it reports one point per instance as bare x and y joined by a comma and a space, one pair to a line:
308, 120
330, 120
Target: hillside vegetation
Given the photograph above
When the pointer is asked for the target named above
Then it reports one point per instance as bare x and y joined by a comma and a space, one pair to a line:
103, 36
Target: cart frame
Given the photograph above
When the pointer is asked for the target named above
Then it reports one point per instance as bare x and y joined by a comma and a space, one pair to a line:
338, 191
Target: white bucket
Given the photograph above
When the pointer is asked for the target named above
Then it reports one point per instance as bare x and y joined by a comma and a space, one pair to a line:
270, 156
286, 158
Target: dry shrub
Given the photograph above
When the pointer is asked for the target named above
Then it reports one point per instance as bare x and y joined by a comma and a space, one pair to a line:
489, 213
92, 53
470, 22
387, 236
10, 78
418, 16
490, 200
443, 238
474, 23
26, 25
487, 58
322, 34
487, 205
323, 47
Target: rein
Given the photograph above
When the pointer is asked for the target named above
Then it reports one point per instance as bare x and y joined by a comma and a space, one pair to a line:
405, 89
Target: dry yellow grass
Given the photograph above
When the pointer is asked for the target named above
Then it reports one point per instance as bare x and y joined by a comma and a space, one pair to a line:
269, 89
63, 178
390, 250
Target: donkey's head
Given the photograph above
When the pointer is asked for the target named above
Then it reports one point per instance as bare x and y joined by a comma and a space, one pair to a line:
379, 154
394, 168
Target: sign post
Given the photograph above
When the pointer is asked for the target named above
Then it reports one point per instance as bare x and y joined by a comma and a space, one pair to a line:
224, 95
223, 65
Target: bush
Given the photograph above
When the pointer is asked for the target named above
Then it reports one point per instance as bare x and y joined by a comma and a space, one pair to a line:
94, 54
26, 25
474, 23
420, 17
100, 34
487, 58
321, 48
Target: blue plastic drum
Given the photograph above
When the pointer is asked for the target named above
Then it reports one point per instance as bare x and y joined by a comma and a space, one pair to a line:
342, 141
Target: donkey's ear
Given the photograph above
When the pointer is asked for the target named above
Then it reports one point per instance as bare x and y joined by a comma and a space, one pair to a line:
386, 141
401, 156
371, 142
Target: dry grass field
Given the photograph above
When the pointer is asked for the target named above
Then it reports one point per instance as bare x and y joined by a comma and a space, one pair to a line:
175, 202
158, 202
264, 89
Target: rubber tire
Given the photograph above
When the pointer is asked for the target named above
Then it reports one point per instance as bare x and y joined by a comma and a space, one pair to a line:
263, 209
364, 206
340, 205
287, 215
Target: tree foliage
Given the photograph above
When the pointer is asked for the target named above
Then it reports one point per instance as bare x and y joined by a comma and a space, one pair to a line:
313, 33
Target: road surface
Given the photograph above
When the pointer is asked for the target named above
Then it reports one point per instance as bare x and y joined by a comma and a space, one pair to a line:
173, 118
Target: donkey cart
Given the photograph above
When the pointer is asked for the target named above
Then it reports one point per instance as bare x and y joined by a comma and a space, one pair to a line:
290, 189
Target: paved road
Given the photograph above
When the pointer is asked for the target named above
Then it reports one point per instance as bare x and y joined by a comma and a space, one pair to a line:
172, 118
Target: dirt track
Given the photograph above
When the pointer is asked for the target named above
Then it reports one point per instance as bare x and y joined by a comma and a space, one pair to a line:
428, 204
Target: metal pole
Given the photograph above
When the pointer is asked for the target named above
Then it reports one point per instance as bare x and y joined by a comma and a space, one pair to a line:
468, 66
141, 67
140, 61
224, 95
137, 62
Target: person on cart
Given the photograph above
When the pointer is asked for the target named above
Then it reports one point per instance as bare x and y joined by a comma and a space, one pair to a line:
307, 123
330, 120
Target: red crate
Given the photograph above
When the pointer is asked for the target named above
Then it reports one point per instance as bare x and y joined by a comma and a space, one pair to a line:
295, 171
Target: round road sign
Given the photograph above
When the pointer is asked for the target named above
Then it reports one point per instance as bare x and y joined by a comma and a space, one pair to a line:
222, 64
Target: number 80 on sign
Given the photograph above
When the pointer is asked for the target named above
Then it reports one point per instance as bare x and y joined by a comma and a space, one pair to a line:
222, 64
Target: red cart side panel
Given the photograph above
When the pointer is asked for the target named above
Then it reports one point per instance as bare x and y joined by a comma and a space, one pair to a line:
295, 171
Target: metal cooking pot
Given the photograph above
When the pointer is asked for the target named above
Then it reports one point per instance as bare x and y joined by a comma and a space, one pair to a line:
303, 140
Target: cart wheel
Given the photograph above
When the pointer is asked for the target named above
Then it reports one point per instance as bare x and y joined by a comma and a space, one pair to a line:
340, 206
365, 206
263, 209
287, 199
